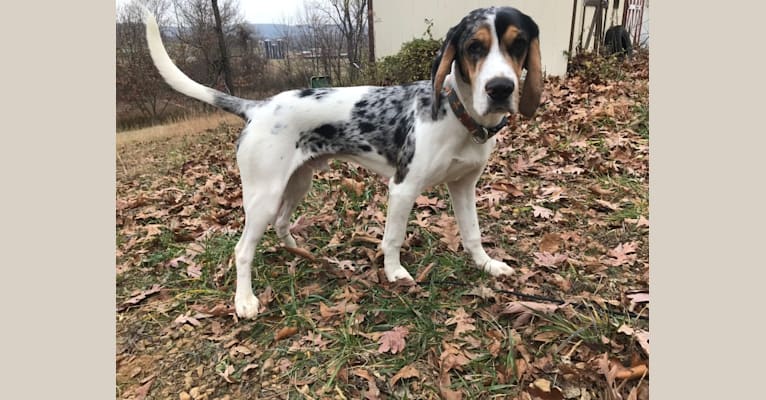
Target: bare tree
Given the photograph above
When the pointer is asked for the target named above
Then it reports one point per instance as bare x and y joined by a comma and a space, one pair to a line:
225, 64
320, 34
138, 85
196, 30
350, 16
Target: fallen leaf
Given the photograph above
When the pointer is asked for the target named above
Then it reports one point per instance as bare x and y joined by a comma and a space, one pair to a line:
424, 273
607, 205
143, 391
140, 296
542, 384
408, 371
194, 271
301, 253
527, 309
542, 212
186, 319
640, 297
461, 320
624, 253
226, 374
550, 243
599, 190
483, 292
393, 341
546, 259
372, 392
285, 333
219, 310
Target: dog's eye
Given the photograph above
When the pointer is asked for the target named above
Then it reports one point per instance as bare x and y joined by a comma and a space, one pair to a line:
517, 47
476, 48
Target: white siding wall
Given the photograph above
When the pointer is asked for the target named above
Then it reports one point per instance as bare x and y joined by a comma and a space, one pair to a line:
398, 21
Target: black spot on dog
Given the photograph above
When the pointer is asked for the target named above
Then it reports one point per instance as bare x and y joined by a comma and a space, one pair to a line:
366, 127
306, 92
365, 148
327, 131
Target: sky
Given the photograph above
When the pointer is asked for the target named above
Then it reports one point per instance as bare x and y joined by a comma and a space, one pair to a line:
263, 11
269, 11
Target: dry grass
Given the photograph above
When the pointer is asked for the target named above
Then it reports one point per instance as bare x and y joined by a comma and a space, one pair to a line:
185, 126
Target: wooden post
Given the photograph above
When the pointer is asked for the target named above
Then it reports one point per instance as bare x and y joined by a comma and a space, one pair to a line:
371, 32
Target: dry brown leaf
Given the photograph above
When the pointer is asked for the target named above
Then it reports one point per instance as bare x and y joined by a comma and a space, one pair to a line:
301, 253
640, 297
341, 308
624, 253
526, 309
550, 243
599, 190
139, 296
407, 371
461, 320
372, 392
483, 292
424, 273
545, 259
218, 310
226, 374
266, 297
285, 333
393, 341
444, 390
194, 271
542, 212
186, 319
607, 205
143, 391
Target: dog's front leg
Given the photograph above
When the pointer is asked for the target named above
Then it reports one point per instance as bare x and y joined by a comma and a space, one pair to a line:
401, 197
463, 194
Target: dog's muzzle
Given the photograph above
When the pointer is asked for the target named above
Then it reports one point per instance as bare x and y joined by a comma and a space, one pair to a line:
499, 91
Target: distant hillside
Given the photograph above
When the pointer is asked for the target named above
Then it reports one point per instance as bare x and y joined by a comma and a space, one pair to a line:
271, 31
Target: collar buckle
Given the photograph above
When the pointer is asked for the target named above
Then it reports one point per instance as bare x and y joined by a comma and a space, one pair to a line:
480, 135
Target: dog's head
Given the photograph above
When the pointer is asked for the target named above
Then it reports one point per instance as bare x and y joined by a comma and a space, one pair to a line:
490, 46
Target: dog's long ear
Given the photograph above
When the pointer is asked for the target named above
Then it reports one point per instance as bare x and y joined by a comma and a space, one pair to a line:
533, 84
442, 65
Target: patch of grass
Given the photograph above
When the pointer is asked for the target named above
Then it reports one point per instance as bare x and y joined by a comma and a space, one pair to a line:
641, 125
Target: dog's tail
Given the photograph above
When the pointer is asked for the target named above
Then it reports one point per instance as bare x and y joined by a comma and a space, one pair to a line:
182, 83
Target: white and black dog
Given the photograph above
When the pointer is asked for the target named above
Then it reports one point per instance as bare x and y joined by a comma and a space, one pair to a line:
419, 134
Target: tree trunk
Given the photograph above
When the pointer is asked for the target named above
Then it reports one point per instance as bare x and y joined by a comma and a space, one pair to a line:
222, 44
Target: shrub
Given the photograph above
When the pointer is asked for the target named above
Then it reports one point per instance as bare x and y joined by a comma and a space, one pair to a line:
411, 63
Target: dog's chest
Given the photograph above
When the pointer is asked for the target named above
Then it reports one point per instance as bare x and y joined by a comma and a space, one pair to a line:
464, 161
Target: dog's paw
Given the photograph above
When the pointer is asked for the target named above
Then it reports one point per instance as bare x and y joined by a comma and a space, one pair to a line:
497, 268
289, 241
396, 273
247, 306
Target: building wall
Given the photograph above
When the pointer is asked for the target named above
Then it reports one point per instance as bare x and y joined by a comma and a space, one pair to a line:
398, 21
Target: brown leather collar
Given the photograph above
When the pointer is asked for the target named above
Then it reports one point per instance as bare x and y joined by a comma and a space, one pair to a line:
478, 133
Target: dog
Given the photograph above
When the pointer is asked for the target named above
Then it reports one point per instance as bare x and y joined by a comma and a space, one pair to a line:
418, 135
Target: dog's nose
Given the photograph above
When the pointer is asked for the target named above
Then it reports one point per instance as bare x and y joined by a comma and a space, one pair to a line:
499, 88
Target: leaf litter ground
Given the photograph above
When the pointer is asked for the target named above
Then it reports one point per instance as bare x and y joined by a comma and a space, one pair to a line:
564, 200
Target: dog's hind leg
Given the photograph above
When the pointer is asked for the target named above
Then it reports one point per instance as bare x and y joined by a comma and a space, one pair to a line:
297, 187
260, 210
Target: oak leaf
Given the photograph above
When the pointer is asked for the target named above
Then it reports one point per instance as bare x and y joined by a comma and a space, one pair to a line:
462, 321
542, 212
393, 341
545, 259
624, 253
408, 371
